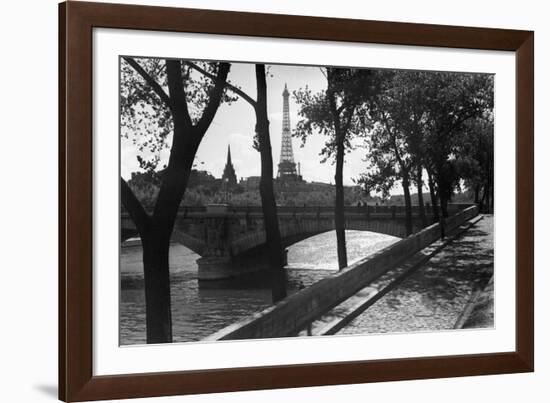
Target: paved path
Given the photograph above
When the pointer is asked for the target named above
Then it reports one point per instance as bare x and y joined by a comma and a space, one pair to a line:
436, 294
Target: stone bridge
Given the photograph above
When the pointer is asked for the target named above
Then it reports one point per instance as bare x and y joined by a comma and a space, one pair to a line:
231, 240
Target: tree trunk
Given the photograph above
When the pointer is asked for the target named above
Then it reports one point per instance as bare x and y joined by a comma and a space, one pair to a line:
339, 133
484, 199
269, 206
443, 201
422, 212
433, 198
156, 248
489, 202
408, 207
339, 218
156, 275
476, 194
156, 244
444, 213
157, 287
492, 210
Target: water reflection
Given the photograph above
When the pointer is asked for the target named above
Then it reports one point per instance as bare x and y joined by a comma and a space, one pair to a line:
200, 311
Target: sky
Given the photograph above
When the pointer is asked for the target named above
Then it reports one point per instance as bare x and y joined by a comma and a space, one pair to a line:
234, 125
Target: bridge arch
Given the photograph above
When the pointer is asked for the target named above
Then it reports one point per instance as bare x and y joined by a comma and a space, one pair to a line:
294, 231
196, 245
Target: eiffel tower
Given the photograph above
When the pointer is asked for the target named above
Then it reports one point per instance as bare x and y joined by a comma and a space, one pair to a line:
287, 166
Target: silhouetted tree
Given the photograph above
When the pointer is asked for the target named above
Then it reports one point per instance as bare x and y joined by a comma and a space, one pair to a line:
395, 142
476, 159
419, 119
164, 107
452, 99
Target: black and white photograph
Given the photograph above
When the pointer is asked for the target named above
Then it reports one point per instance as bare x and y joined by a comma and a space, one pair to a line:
269, 200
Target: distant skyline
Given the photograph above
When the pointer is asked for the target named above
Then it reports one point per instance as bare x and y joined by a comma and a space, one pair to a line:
234, 125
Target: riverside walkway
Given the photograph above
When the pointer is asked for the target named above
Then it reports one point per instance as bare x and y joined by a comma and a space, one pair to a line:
438, 293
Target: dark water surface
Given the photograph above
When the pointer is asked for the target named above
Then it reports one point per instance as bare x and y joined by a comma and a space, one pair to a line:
200, 311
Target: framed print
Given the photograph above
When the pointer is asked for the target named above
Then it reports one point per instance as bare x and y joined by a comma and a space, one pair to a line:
252, 201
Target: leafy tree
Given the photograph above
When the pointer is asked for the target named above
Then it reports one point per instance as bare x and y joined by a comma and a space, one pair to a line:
452, 99
395, 144
164, 107
337, 113
413, 120
476, 159
419, 117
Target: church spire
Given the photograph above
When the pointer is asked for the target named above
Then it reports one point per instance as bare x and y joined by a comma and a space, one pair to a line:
228, 155
229, 176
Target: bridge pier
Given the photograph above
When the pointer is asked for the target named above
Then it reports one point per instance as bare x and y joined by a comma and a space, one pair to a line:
226, 267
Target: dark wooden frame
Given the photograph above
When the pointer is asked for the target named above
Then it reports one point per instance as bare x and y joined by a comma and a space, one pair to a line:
76, 22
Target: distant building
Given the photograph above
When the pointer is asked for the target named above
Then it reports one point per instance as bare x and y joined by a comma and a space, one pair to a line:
250, 183
229, 178
199, 178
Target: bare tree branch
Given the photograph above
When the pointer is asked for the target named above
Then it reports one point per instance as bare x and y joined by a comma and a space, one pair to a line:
334, 111
393, 140
135, 209
176, 89
149, 80
215, 98
229, 86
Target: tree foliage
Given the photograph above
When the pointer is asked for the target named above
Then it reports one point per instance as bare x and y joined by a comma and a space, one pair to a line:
453, 101
423, 121
339, 107
338, 114
147, 118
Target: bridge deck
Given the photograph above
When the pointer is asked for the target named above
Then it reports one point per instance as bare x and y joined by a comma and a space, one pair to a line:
325, 211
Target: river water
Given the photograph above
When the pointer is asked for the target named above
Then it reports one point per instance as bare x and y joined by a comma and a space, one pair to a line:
200, 311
